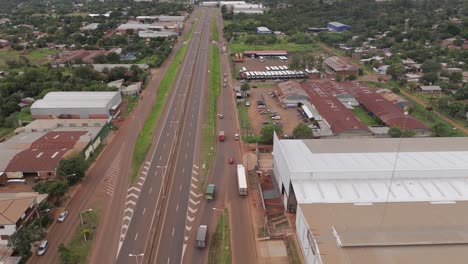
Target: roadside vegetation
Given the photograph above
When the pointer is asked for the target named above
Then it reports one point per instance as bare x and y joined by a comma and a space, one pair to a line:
220, 248
146, 135
77, 250
214, 30
292, 250
211, 110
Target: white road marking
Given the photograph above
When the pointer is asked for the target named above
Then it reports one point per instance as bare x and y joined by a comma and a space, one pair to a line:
168, 260
194, 172
151, 189
173, 230
192, 210
196, 167
177, 208
183, 170
164, 146
160, 157
144, 210
193, 185
194, 202
136, 236
185, 155
189, 133
188, 227
193, 178
180, 187
167, 134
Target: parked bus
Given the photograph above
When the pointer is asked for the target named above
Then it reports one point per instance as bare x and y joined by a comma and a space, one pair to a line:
241, 180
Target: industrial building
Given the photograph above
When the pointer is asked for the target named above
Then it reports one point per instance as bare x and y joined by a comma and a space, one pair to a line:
37, 148
156, 34
337, 26
290, 94
340, 66
372, 201
377, 106
265, 53
76, 105
338, 118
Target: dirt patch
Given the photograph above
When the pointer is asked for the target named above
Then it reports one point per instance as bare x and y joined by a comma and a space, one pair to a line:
289, 117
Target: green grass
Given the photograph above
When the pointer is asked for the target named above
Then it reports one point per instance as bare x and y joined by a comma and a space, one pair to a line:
214, 30
251, 138
145, 138
262, 232
77, 249
364, 116
292, 251
244, 116
34, 56
237, 47
4, 131
209, 127
220, 249
131, 102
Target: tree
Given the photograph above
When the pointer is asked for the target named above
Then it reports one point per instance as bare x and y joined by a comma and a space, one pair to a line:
395, 70
72, 165
55, 189
302, 131
24, 237
456, 77
430, 66
441, 129
245, 87
295, 63
394, 132
66, 255
429, 78
267, 133
116, 73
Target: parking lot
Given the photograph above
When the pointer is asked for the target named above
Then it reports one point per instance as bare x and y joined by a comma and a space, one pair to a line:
289, 118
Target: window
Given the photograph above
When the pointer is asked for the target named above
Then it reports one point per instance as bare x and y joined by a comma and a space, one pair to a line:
2, 227
4, 237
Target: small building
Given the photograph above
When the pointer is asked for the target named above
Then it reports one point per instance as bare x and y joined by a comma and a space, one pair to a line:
264, 31
340, 66
132, 89
156, 34
76, 105
89, 27
290, 93
117, 84
17, 209
337, 26
411, 77
432, 89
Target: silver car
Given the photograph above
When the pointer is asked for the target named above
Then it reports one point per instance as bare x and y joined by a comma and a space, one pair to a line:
62, 216
43, 247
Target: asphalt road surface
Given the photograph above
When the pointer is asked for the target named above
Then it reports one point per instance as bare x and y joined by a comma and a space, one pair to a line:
243, 247
159, 221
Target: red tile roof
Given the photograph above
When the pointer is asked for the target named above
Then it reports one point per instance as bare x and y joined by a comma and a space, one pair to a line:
45, 153
340, 119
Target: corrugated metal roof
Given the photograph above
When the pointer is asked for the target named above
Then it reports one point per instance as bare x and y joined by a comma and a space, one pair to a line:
340, 64
341, 119
75, 100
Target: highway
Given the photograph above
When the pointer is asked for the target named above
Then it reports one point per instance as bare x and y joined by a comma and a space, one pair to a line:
223, 175
159, 221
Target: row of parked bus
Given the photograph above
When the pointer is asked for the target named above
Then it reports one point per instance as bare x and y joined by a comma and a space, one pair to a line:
256, 75
276, 68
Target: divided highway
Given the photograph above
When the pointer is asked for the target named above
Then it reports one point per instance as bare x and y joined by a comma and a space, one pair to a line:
161, 217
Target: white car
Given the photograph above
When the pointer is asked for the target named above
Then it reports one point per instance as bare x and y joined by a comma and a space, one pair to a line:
276, 117
62, 216
43, 247
247, 103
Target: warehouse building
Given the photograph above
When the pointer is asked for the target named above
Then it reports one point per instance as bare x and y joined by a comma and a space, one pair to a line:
290, 94
376, 200
76, 105
340, 66
337, 26
265, 53
338, 118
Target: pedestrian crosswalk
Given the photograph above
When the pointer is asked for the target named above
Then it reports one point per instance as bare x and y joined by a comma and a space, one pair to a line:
112, 173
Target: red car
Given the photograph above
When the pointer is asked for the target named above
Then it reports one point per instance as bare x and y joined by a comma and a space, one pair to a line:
231, 160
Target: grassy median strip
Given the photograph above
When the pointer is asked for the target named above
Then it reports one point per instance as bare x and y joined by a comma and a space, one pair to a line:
145, 138
220, 248
214, 30
209, 127
77, 250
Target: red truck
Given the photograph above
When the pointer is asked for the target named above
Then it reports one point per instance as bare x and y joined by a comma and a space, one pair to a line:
221, 136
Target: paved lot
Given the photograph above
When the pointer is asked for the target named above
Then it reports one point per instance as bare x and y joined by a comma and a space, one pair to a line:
257, 65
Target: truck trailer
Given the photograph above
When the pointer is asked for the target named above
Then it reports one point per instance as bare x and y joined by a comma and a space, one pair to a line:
241, 180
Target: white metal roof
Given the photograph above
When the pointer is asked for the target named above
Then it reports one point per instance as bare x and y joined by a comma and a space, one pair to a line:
362, 170
75, 100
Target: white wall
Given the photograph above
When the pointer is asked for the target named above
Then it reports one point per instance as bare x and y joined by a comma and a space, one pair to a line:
301, 232
8, 230
281, 167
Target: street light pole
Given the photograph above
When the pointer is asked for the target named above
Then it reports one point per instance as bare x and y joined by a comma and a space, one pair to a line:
82, 224
136, 257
